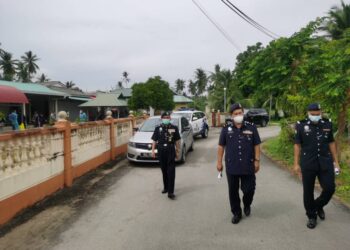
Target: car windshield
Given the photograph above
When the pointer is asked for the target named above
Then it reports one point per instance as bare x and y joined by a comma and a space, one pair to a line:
186, 115
151, 124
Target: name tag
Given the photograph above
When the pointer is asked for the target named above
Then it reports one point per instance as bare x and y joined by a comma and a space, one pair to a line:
247, 132
171, 130
326, 129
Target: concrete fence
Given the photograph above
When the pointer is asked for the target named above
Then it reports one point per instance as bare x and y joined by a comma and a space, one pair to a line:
36, 163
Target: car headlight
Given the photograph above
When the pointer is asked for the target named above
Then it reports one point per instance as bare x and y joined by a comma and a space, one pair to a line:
132, 144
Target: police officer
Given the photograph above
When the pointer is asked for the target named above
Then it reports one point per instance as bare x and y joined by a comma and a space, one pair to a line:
240, 140
315, 149
166, 138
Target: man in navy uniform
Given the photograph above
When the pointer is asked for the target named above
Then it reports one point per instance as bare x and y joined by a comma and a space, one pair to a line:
315, 149
166, 138
241, 142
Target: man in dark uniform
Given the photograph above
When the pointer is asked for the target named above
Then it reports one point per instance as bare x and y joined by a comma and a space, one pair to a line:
166, 138
240, 140
315, 149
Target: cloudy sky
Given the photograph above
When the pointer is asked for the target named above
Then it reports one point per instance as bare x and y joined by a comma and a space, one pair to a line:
91, 42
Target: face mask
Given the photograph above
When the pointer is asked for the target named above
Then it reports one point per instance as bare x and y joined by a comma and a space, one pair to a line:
238, 119
166, 121
315, 118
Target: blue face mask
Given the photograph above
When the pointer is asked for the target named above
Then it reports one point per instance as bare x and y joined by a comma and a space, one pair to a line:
315, 118
166, 121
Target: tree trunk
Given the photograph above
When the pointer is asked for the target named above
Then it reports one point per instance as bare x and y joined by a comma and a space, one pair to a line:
342, 117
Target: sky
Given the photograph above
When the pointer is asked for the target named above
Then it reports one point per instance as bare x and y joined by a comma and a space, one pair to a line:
91, 42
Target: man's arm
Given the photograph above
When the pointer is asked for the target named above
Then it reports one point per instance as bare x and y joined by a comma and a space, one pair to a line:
333, 150
221, 150
297, 169
257, 158
177, 148
154, 143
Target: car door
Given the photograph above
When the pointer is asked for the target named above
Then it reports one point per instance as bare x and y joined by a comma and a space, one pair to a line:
196, 122
184, 132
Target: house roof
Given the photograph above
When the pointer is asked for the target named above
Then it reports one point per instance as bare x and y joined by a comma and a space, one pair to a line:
32, 88
106, 100
123, 92
182, 99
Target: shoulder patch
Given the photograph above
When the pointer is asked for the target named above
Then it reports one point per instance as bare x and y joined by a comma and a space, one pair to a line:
298, 122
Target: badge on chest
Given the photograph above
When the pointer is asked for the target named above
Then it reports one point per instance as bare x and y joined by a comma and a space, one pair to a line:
307, 129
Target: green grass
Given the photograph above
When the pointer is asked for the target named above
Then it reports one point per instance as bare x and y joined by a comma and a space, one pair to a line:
283, 153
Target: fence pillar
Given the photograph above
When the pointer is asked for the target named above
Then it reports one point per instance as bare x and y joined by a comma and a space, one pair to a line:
213, 120
112, 137
219, 116
67, 147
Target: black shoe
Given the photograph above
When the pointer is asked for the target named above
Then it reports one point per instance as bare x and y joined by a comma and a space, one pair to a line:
311, 223
247, 211
164, 191
236, 218
171, 196
321, 214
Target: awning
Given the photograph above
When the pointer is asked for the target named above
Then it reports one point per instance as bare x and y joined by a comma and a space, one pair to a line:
10, 94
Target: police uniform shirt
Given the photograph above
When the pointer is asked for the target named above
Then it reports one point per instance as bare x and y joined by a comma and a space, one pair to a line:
314, 140
166, 135
239, 147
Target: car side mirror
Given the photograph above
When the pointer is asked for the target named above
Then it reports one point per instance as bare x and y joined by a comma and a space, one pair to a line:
194, 118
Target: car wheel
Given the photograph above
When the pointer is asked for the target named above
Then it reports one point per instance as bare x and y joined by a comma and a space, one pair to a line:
205, 133
183, 155
263, 123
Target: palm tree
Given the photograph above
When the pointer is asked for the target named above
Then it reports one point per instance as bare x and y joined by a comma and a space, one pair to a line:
29, 59
126, 78
338, 21
180, 85
22, 72
70, 84
201, 81
43, 78
120, 84
8, 66
192, 88
1, 50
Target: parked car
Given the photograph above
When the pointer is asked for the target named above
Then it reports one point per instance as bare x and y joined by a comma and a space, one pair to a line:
140, 145
257, 116
198, 121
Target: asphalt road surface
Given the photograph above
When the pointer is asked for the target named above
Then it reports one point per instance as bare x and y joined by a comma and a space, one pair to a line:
131, 213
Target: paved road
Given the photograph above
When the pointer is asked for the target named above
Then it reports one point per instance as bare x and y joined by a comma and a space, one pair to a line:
133, 214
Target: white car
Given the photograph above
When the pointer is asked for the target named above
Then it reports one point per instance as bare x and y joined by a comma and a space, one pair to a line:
198, 121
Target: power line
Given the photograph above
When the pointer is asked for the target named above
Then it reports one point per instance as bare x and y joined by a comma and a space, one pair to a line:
249, 20
219, 28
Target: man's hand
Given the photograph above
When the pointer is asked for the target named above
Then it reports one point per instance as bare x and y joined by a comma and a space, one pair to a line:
153, 154
177, 155
297, 169
219, 167
336, 165
257, 166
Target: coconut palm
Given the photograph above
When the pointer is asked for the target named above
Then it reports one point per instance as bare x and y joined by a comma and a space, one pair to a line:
201, 80
29, 59
22, 72
192, 88
43, 78
180, 85
337, 21
70, 84
8, 66
126, 78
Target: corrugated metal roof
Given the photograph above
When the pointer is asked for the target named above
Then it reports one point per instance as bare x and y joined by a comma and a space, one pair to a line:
32, 88
105, 100
83, 99
181, 99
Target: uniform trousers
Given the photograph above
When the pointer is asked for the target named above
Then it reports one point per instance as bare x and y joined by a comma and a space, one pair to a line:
248, 183
327, 182
166, 156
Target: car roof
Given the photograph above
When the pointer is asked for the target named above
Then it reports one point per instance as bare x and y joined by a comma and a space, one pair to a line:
186, 111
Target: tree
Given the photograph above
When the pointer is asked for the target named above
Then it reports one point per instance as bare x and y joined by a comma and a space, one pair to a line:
43, 78
120, 84
8, 66
201, 81
192, 88
70, 84
337, 21
22, 72
154, 93
180, 85
126, 79
29, 59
